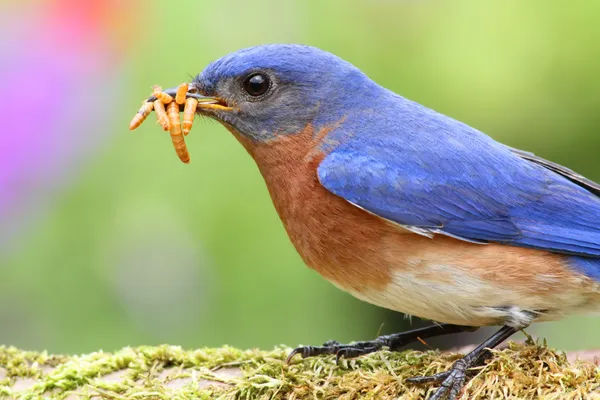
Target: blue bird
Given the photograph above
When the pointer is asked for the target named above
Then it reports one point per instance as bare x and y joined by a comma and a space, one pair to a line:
407, 208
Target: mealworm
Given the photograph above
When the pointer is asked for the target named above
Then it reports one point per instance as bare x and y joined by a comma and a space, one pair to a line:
189, 112
162, 96
176, 133
181, 92
141, 115
161, 115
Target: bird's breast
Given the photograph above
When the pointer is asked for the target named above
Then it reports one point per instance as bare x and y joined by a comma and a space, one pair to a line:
329, 233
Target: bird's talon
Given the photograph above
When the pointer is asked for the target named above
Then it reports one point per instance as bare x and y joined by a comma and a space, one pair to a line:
451, 382
305, 352
436, 378
439, 394
291, 355
353, 352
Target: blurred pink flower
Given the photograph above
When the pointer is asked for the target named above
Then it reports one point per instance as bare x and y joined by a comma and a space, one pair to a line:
58, 62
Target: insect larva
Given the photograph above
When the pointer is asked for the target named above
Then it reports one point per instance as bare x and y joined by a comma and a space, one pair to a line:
167, 105
189, 112
161, 115
162, 96
176, 133
141, 115
181, 92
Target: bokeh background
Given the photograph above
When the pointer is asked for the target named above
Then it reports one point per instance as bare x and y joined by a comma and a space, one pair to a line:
107, 240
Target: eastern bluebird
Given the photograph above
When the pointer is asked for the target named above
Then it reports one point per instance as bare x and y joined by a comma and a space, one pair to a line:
407, 208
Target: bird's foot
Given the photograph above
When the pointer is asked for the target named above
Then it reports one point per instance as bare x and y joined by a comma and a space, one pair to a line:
393, 342
451, 382
338, 349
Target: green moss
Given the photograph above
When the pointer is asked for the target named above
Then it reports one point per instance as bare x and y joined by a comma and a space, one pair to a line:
525, 371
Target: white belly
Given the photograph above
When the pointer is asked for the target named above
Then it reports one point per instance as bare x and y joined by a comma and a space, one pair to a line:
465, 300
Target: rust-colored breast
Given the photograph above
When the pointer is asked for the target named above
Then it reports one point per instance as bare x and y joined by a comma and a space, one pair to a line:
332, 236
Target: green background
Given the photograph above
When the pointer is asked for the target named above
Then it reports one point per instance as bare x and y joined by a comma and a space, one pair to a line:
141, 249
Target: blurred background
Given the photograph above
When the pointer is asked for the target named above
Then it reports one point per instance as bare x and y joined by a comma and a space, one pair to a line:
107, 240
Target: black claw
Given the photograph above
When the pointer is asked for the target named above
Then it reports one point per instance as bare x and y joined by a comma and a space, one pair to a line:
352, 352
439, 394
312, 351
303, 351
451, 382
436, 378
346, 352
291, 355
334, 347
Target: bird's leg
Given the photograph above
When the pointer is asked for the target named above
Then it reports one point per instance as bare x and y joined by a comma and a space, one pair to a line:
393, 342
453, 380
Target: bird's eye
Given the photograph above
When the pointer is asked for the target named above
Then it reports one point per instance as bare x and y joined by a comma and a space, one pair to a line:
257, 84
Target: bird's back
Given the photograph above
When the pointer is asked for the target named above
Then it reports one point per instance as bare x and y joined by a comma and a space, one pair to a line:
419, 168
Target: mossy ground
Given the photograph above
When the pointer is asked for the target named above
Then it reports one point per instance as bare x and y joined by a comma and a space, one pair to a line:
523, 371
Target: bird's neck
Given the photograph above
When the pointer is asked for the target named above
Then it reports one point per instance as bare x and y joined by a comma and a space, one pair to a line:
288, 164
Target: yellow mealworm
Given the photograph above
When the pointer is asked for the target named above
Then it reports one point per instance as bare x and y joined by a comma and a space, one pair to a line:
141, 115
176, 133
162, 96
189, 112
161, 115
181, 92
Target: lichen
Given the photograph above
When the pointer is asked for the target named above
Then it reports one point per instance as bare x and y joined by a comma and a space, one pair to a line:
523, 370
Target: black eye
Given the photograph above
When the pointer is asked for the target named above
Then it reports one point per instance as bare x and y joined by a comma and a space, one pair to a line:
257, 84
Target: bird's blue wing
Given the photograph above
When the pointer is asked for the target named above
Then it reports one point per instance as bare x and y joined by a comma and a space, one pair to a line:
456, 181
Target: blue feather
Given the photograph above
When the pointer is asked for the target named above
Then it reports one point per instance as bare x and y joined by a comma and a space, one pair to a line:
422, 169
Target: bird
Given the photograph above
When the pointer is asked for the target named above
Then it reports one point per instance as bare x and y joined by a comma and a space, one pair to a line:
404, 207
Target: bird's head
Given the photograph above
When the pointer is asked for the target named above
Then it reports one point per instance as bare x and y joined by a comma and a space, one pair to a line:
273, 90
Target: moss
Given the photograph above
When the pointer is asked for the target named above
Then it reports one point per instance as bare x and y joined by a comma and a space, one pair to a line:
525, 371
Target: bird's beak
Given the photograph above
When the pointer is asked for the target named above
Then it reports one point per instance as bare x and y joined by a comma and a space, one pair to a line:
210, 103
204, 102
